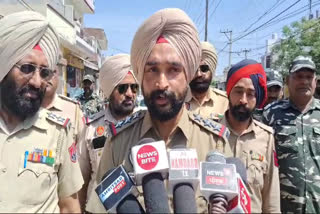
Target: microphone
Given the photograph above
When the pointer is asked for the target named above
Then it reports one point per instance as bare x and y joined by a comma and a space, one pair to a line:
183, 179
150, 163
218, 182
116, 192
242, 202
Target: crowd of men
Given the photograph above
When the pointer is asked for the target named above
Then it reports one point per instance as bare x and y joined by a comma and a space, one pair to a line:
55, 150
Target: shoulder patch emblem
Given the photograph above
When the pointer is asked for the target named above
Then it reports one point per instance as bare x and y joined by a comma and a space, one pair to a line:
65, 122
73, 153
211, 125
100, 131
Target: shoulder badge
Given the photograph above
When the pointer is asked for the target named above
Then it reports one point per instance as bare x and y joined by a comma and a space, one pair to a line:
65, 122
264, 127
125, 123
94, 117
220, 92
210, 125
68, 99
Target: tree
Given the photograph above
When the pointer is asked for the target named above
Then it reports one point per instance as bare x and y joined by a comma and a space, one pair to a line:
300, 38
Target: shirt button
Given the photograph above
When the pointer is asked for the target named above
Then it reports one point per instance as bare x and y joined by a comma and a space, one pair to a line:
4, 170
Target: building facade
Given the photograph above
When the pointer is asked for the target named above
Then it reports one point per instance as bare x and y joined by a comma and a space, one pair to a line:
81, 53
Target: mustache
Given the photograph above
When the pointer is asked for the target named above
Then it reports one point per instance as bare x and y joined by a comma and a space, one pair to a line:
32, 90
164, 93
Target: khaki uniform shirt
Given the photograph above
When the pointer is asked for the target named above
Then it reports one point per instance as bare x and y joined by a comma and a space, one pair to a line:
214, 105
255, 147
90, 146
68, 108
192, 131
35, 182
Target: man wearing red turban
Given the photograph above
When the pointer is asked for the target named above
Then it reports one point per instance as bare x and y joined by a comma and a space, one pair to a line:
250, 140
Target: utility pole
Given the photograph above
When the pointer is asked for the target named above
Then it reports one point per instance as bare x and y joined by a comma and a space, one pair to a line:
206, 22
246, 51
229, 43
310, 9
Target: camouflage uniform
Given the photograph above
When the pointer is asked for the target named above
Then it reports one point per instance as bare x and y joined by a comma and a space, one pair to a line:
90, 105
297, 138
257, 114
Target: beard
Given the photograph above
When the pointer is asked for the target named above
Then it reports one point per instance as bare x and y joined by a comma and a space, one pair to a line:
200, 85
240, 112
123, 109
13, 99
168, 112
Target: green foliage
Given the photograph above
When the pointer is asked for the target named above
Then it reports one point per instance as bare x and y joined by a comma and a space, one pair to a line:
300, 38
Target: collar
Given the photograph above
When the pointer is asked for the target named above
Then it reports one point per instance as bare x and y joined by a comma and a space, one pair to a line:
109, 117
315, 104
57, 103
252, 126
38, 120
208, 98
183, 124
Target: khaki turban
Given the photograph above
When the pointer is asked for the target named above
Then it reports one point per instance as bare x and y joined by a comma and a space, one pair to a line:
209, 56
113, 71
19, 33
178, 29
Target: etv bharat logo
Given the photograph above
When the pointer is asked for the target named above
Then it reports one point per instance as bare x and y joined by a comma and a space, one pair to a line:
147, 157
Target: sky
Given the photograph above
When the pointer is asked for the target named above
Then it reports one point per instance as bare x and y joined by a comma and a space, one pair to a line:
120, 20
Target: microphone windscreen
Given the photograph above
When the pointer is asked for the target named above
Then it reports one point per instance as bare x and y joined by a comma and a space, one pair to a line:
184, 199
214, 156
241, 169
155, 194
130, 205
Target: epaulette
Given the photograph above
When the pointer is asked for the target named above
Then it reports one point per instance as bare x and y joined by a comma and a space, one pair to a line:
68, 99
125, 123
65, 122
264, 126
220, 92
94, 117
210, 125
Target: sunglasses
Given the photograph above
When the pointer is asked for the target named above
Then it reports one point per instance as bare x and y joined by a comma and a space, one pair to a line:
122, 88
28, 69
204, 68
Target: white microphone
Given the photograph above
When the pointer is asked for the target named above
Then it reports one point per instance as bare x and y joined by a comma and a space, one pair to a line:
183, 179
150, 163
149, 157
218, 179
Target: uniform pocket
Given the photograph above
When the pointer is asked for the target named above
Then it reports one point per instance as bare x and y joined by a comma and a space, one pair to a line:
256, 170
36, 182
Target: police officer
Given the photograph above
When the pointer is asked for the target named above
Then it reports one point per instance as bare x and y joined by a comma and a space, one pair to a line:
171, 41
120, 87
206, 100
250, 140
64, 106
296, 122
38, 165
89, 101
